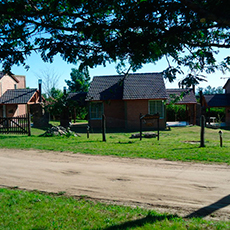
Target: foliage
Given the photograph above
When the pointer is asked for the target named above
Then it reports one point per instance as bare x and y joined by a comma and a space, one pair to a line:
176, 112
211, 90
94, 32
54, 105
55, 93
178, 144
79, 80
62, 104
36, 210
219, 113
192, 79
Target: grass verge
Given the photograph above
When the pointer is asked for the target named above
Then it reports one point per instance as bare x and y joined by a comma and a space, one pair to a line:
178, 144
34, 210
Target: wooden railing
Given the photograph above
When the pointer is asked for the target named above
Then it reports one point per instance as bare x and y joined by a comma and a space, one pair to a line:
18, 125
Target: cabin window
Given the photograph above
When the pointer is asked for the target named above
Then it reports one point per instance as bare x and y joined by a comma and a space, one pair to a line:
156, 107
96, 110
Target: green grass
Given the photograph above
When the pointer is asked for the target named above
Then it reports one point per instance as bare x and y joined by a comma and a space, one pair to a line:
179, 144
40, 211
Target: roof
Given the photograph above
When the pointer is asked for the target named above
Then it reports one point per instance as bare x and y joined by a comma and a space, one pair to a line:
227, 82
131, 87
17, 96
78, 97
217, 100
181, 96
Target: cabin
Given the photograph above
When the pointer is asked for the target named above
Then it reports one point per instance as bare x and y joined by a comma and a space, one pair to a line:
123, 98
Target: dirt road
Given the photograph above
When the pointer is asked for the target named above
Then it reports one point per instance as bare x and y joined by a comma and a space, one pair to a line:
186, 189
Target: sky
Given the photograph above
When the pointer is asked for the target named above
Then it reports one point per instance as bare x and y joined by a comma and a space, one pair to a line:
63, 70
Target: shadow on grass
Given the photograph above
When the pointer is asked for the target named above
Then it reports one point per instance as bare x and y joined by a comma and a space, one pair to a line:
10, 136
208, 210
149, 219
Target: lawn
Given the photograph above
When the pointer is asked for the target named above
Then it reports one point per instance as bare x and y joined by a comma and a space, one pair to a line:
177, 144
35, 210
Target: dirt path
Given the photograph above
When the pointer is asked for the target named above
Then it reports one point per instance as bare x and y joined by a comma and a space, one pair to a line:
174, 187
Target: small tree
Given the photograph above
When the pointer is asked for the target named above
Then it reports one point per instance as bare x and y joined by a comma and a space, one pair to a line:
79, 80
49, 82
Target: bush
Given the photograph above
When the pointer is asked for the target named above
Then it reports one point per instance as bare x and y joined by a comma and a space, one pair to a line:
176, 112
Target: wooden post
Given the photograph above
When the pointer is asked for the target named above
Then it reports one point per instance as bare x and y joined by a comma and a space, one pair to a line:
158, 127
202, 124
29, 124
221, 138
88, 131
103, 128
194, 115
74, 114
201, 98
140, 126
7, 124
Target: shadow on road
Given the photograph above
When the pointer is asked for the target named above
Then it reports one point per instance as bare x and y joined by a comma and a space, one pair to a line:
205, 211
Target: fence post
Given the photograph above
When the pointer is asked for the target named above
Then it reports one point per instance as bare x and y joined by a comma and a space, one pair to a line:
103, 128
87, 131
140, 126
221, 138
202, 124
7, 124
158, 127
29, 124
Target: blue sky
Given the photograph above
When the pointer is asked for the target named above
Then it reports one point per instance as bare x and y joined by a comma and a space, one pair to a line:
63, 69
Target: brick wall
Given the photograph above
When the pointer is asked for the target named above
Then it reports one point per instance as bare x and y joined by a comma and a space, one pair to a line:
22, 109
22, 81
115, 114
227, 116
125, 114
133, 110
7, 82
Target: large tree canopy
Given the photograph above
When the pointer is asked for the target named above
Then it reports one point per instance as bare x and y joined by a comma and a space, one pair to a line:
93, 32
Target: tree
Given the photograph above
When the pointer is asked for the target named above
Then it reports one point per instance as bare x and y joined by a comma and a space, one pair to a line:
49, 82
79, 80
211, 90
93, 32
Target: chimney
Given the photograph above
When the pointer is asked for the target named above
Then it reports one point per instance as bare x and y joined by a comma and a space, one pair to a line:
40, 90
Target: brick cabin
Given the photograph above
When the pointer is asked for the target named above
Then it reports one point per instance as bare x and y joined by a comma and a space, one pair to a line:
15, 99
123, 98
219, 100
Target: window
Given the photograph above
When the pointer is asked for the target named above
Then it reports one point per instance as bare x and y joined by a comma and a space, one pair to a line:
96, 110
156, 107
